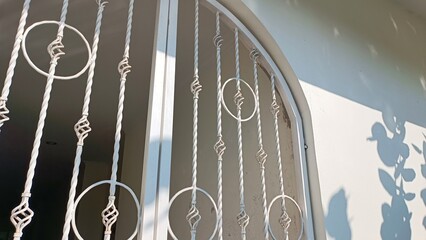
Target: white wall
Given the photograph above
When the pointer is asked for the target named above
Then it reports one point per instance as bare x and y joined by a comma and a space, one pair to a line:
361, 65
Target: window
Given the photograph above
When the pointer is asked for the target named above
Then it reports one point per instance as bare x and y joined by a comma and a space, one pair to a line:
155, 156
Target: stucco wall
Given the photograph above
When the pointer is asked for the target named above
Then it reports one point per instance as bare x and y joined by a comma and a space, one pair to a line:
361, 66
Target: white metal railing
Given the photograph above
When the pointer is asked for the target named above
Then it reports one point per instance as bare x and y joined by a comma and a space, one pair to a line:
243, 217
22, 215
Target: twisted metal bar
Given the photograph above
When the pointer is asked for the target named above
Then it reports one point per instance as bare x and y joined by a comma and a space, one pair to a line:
299, 236
82, 127
127, 188
23, 208
12, 63
220, 146
243, 218
261, 154
284, 220
110, 213
193, 217
22, 214
170, 230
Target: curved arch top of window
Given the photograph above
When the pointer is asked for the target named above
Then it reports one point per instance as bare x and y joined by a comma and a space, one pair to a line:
294, 135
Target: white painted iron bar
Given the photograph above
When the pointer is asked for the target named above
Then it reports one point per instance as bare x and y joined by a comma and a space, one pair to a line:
193, 217
242, 218
284, 220
261, 155
22, 215
12, 63
219, 147
82, 127
110, 213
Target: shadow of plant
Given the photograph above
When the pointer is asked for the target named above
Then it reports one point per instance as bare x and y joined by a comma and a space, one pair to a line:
337, 221
394, 153
423, 171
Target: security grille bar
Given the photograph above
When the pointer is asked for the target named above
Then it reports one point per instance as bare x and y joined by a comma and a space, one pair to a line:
21, 216
194, 217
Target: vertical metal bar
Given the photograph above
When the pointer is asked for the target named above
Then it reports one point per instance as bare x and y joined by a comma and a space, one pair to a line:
158, 140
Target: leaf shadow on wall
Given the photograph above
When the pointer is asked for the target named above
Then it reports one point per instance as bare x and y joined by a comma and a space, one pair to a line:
337, 221
393, 153
423, 171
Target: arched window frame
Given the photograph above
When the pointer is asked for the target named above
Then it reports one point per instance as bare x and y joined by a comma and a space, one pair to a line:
157, 160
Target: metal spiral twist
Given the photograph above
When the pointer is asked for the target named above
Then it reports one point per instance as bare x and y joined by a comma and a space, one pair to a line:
109, 215
275, 108
21, 216
238, 99
82, 129
55, 49
218, 40
193, 217
3, 112
285, 221
196, 87
101, 3
261, 157
254, 54
124, 68
220, 148
243, 219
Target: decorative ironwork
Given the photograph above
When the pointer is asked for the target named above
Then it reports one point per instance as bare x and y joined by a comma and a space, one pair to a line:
238, 100
243, 218
172, 234
3, 112
109, 216
21, 215
220, 146
55, 49
111, 212
285, 219
261, 155
12, 63
82, 127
